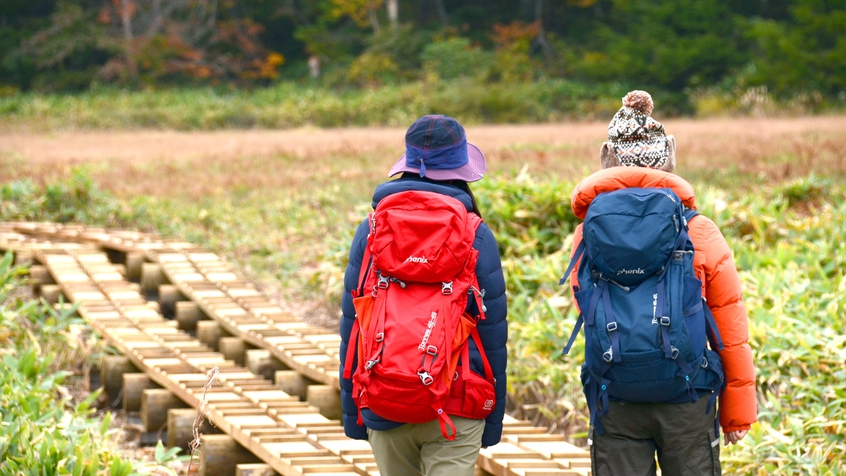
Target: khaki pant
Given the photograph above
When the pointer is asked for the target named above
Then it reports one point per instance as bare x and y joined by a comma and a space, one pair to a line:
421, 449
681, 434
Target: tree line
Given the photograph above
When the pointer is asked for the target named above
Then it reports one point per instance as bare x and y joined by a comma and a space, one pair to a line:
676, 46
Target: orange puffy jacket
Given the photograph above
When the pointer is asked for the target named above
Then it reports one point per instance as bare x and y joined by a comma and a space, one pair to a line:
714, 267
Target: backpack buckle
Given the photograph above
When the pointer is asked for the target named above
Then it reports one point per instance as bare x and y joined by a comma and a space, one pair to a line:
446, 288
380, 337
383, 282
611, 327
425, 377
675, 352
608, 356
665, 321
370, 364
432, 350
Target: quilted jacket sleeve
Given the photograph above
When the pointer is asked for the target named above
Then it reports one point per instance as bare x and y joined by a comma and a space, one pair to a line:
716, 269
351, 428
494, 329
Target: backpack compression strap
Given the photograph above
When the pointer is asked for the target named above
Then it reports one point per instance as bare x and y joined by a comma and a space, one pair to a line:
465, 357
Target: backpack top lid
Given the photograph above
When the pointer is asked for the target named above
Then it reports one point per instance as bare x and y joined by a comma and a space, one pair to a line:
630, 234
421, 236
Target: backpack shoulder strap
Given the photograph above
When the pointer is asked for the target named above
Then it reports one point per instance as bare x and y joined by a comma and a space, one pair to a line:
689, 213
580, 250
366, 264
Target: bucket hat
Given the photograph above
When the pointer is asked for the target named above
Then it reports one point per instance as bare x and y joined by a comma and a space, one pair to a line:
436, 147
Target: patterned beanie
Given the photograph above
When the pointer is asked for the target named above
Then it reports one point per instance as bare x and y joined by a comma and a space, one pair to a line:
638, 139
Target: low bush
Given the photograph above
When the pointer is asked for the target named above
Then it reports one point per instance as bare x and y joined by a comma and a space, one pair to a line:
41, 431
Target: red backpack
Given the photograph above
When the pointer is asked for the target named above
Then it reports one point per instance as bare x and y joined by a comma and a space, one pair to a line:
417, 274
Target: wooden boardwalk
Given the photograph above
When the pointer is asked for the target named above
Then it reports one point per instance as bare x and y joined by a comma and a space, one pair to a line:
276, 395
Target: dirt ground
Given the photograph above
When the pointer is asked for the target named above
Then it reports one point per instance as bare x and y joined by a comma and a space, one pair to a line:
701, 143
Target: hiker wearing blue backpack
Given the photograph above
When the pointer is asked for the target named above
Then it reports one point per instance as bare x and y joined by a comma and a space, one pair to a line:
660, 299
424, 331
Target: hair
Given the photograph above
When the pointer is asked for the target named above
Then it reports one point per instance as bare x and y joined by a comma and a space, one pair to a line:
466, 188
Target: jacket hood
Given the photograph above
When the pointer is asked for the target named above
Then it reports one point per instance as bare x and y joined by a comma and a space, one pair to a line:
406, 183
615, 178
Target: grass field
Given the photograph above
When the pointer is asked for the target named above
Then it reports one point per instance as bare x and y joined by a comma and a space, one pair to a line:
283, 206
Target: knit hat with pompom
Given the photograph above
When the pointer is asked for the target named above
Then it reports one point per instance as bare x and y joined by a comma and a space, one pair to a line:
638, 139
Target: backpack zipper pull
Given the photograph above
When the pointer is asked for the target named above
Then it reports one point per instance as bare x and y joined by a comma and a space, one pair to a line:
597, 274
395, 280
480, 295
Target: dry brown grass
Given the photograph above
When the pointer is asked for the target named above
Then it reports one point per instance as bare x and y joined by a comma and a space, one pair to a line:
197, 164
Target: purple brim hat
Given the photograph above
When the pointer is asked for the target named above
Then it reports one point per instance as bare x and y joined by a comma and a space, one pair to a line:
472, 171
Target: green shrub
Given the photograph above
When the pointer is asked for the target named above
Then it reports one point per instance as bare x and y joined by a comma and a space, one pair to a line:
468, 97
77, 199
455, 58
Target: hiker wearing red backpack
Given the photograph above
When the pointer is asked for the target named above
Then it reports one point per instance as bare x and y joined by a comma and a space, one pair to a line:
660, 300
424, 331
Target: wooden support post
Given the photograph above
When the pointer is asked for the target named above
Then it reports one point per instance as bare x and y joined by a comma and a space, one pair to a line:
134, 262
180, 427
23, 258
293, 383
151, 278
233, 348
222, 454
209, 333
168, 296
39, 276
327, 399
154, 406
133, 386
254, 470
261, 362
187, 315
51, 293
112, 368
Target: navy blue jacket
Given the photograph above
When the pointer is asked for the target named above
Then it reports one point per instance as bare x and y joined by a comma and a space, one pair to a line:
493, 330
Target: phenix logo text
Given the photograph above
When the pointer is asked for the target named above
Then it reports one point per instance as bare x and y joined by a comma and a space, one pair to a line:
415, 259
631, 271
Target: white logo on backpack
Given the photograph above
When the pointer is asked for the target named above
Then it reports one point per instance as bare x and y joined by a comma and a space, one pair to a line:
416, 259
631, 271
654, 308
431, 325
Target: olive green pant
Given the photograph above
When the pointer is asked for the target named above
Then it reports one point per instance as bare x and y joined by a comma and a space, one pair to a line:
681, 434
421, 449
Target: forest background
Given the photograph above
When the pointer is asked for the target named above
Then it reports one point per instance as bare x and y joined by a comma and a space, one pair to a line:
504, 61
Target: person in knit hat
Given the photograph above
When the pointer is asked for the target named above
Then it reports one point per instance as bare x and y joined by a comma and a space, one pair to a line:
681, 435
635, 139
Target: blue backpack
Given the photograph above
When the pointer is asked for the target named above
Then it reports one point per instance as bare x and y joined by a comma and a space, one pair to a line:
647, 326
